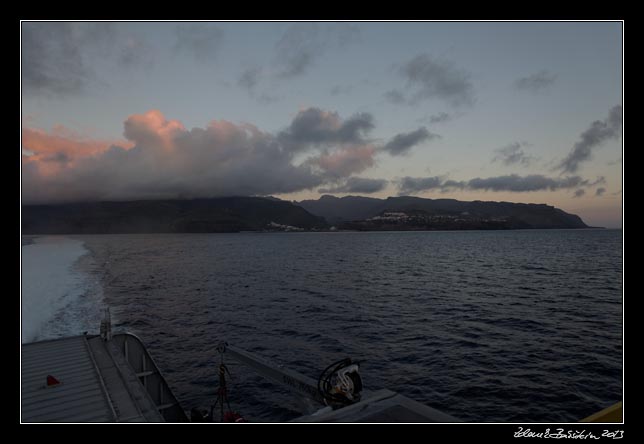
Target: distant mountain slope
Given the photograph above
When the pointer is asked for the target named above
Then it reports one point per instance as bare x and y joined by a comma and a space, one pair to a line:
518, 215
335, 209
228, 214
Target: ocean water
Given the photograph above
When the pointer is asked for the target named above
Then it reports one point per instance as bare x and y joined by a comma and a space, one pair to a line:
489, 326
59, 297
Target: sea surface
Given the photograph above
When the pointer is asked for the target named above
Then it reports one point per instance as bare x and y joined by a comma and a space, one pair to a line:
488, 326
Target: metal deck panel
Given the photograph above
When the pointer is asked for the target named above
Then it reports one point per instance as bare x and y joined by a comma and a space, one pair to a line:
96, 383
79, 397
382, 406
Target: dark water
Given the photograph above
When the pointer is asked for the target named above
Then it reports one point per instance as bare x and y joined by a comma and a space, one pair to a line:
487, 326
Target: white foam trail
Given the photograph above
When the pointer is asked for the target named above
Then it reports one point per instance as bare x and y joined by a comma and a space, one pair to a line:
58, 298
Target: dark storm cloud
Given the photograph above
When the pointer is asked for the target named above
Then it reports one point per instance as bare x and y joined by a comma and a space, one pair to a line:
599, 132
429, 78
536, 82
401, 143
314, 126
357, 185
600, 191
513, 154
302, 44
202, 40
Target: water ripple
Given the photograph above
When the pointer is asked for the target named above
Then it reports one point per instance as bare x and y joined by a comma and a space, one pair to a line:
488, 326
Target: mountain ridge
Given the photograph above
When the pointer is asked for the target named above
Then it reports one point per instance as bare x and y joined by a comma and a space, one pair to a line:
240, 213
518, 215
207, 215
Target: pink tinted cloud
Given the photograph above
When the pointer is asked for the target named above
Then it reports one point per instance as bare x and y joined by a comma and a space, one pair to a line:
346, 161
162, 159
166, 161
152, 129
63, 142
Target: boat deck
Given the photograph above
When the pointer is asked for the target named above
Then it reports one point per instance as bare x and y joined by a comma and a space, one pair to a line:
382, 406
96, 382
116, 380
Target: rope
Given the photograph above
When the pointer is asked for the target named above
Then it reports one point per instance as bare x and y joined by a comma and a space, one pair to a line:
222, 396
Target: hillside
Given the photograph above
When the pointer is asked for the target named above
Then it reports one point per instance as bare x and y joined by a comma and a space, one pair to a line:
477, 214
234, 214
228, 214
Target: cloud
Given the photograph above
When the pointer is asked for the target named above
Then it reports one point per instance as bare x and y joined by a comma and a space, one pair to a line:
396, 97
512, 183
578, 193
57, 157
358, 185
201, 40
152, 129
249, 78
343, 162
161, 158
401, 143
58, 58
302, 44
297, 48
53, 60
601, 180
167, 161
266, 98
600, 191
133, 52
453, 184
532, 182
413, 185
53, 155
513, 154
429, 78
61, 142
599, 132
536, 82
340, 90
440, 117
343, 34
313, 126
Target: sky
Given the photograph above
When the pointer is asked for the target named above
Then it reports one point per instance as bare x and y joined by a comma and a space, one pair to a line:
505, 111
